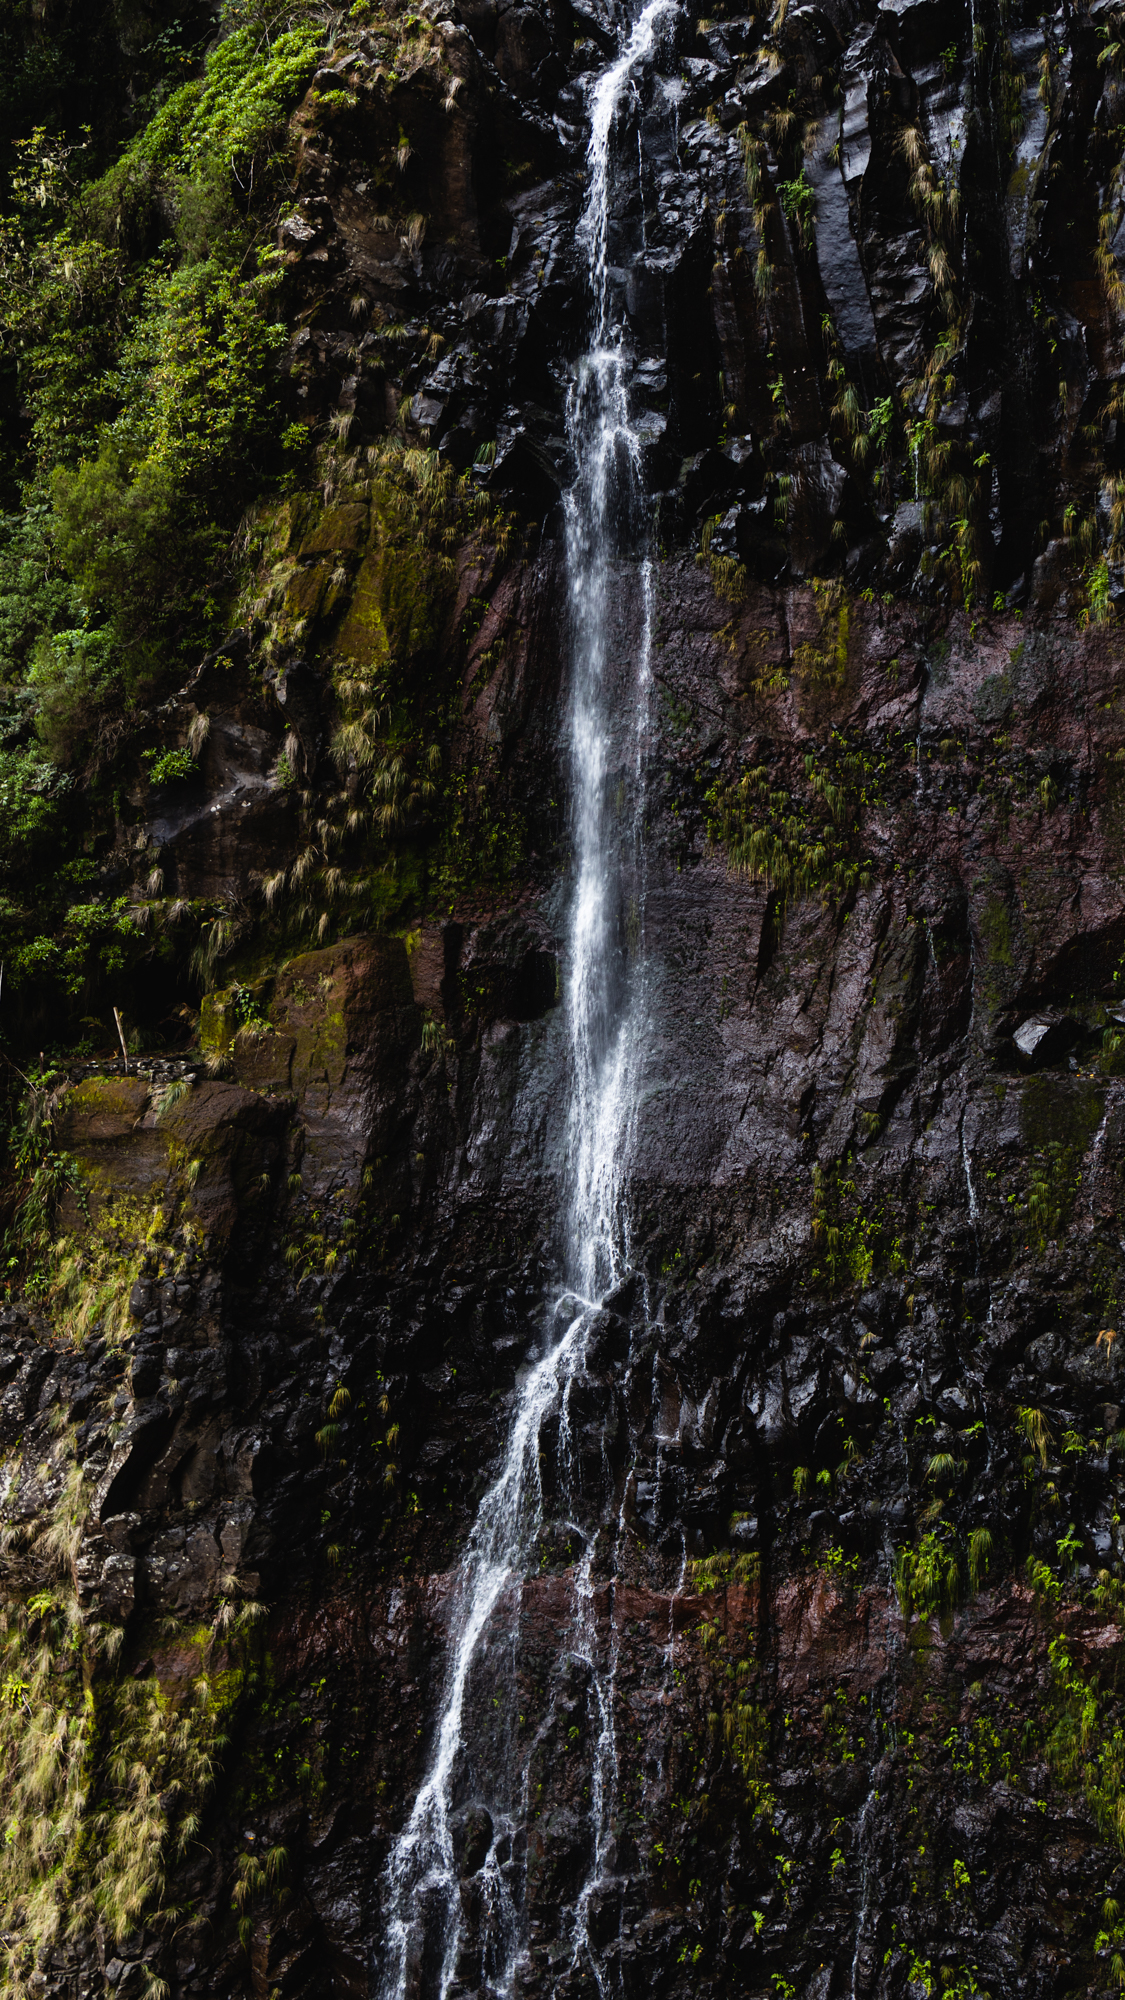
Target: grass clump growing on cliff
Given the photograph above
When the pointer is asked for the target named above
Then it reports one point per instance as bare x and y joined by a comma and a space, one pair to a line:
845, 1232
928, 1578
100, 1778
739, 1722
104, 1775
85, 1281
723, 1567
800, 838
399, 820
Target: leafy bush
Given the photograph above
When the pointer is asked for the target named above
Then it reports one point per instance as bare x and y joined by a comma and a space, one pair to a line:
72, 673
34, 596
141, 553
64, 301
170, 767
202, 349
31, 790
138, 322
240, 105
94, 941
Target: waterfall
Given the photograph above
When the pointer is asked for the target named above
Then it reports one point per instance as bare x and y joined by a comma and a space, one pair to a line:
423, 1911
967, 1168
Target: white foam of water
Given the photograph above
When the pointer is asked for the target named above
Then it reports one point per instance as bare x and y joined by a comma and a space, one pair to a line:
974, 1205
605, 1004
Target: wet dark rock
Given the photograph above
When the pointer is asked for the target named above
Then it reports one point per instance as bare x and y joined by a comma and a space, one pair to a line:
874, 1212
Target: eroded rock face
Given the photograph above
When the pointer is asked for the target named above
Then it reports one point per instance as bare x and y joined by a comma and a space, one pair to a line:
854, 1428
871, 1362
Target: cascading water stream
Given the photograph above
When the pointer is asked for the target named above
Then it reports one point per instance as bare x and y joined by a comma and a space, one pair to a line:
423, 1912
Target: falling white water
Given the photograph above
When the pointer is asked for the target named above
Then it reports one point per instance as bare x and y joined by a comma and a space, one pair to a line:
604, 998
868, 1826
864, 1842
602, 1022
974, 1205
1096, 1154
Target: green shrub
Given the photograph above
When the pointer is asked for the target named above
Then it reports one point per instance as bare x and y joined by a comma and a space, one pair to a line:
73, 674
31, 790
170, 767
205, 399
141, 553
34, 596
239, 107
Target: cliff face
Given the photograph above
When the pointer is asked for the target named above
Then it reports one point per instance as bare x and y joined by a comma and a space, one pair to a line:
852, 1428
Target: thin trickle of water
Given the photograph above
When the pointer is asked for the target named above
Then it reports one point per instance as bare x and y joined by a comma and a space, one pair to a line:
872, 1879
865, 1843
603, 1775
1096, 1152
674, 92
605, 1001
974, 1205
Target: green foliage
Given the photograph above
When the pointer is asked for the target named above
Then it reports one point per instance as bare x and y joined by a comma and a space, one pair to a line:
149, 384
1058, 1126
198, 364
31, 793
928, 1578
715, 1571
799, 842
730, 579
170, 767
237, 110
41, 1170
746, 1737
482, 840
400, 776
845, 1231
984, 1750
880, 424
1098, 609
35, 597
64, 301
798, 200
1034, 1428
1081, 1749
144, 370
73, 675
172, 1094
102, 1777
95, 939
980, 1556
135, 524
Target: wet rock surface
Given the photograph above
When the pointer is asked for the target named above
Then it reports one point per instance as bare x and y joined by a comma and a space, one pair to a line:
853, 1430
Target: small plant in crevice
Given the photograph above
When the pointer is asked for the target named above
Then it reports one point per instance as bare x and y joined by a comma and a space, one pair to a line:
170, 767
854, 436
928, 1577
260, 1890
798, 842
760, 197
937, 198
798, 204
847, 1234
